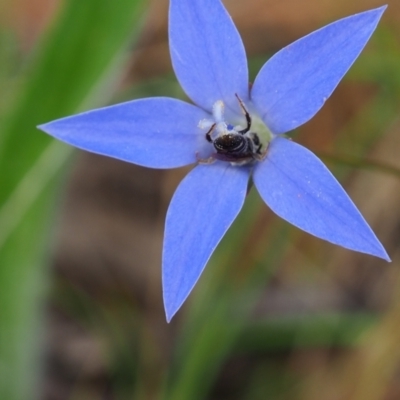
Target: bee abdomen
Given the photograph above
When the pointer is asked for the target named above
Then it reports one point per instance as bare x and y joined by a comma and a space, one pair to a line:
233, 144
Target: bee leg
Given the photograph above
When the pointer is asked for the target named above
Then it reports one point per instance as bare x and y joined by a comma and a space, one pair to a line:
260, 156
246, 114
208, 134
209, 160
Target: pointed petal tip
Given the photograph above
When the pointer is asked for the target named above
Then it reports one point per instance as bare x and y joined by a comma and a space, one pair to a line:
50, 129
42, 127
384, 255
173, 301
377, 249
171, 305
382, 8
169, 312
379, 11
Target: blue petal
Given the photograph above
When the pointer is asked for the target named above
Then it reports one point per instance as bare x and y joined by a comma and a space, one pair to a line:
300, 189
154, 132
295, 83
207, 53
201, 211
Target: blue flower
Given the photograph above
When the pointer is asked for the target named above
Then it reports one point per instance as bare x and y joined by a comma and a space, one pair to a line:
231, 133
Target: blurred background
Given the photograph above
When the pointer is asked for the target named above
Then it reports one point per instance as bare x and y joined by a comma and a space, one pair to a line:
277, 314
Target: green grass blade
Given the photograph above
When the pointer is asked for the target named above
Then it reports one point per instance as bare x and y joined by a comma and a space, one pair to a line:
73, 63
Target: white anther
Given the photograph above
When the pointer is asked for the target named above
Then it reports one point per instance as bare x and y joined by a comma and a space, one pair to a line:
218, 111
205, 124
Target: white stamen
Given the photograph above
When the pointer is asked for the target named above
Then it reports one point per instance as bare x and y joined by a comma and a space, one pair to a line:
218, 111
205, 124
221, 128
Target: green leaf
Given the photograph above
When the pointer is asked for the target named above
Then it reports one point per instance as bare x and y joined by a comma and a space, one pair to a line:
78, 56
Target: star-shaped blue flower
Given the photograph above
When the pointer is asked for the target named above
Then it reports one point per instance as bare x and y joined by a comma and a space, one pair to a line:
231, 133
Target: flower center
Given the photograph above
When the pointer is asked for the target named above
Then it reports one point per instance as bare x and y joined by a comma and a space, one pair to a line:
238, 144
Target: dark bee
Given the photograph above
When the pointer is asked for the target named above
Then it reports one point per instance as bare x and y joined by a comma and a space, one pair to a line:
237, 146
